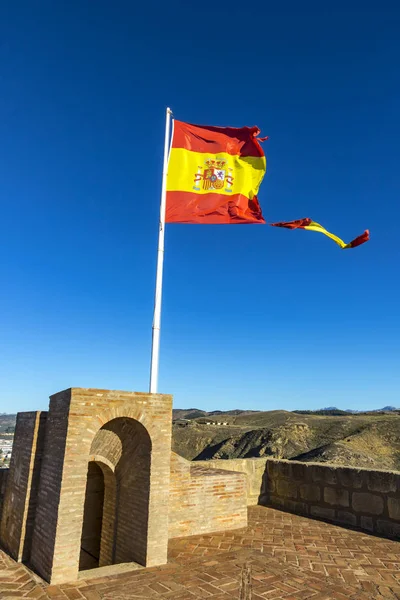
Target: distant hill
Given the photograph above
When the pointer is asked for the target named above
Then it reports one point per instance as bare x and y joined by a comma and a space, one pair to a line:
196, 413
332, 410
375, 410
322, 411
187, 413
370, 440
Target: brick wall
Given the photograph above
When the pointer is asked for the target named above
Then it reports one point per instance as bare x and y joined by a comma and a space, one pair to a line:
254, 468
128, 436
362, 498
3, 484
76, 416
202, 499
20, 498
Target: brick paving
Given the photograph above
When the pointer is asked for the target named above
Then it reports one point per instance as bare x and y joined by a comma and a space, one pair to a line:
290, 557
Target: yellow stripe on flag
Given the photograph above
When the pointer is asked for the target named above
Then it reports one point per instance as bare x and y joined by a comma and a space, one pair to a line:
317, 227
241, 175
313, 226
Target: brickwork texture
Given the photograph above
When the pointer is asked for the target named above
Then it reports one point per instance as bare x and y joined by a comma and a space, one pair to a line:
3, 486
19, 505
127, 436
290, 558
362, 498
93, 483
253, 468
204, 500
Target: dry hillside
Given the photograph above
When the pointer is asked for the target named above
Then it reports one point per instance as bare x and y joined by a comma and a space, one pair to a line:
367, 439
370, 440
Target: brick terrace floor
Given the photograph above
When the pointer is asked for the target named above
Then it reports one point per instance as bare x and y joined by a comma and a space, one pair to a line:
291, 558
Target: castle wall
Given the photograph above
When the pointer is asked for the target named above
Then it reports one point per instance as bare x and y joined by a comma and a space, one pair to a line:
75, 417
363, 498
139, 494
3, 486
20, 496
253, 468
202, 500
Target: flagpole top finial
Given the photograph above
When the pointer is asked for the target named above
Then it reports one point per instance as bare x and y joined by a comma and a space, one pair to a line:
169, 111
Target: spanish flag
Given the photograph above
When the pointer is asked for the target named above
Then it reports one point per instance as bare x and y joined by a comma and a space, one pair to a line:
214, 174
312, 226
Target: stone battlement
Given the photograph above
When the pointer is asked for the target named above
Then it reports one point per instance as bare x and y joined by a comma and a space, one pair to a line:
362, 498
93, 483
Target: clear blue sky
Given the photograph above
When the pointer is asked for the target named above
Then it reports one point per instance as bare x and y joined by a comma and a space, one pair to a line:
253, 317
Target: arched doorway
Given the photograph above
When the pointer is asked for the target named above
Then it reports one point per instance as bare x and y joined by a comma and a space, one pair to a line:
92, 518
116, 510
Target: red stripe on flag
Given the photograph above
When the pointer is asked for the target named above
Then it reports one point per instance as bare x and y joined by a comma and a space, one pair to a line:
361, 239
292, 224
212, 208
214, 140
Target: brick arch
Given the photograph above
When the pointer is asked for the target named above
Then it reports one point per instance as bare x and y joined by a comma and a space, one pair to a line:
98, 458
136, 413
123, 450
76, 416
98, 421
117, 434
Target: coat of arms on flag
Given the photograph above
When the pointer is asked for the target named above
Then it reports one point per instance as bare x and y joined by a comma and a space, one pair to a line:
230, 165
214, 175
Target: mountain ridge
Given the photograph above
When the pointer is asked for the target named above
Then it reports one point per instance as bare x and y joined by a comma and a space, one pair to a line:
368, 439
194, 413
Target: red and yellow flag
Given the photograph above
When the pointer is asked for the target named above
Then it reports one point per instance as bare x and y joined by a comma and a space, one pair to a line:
214, 174
312, 226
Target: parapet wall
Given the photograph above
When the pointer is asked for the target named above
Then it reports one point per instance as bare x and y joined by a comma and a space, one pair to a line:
204, 497
362, 498
254, 468
369, 500
203, 500
20, 495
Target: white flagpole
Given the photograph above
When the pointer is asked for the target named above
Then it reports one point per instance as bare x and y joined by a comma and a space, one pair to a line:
155, 349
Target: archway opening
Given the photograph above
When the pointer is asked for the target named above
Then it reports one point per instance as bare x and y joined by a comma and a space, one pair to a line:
92, 518
116, 508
